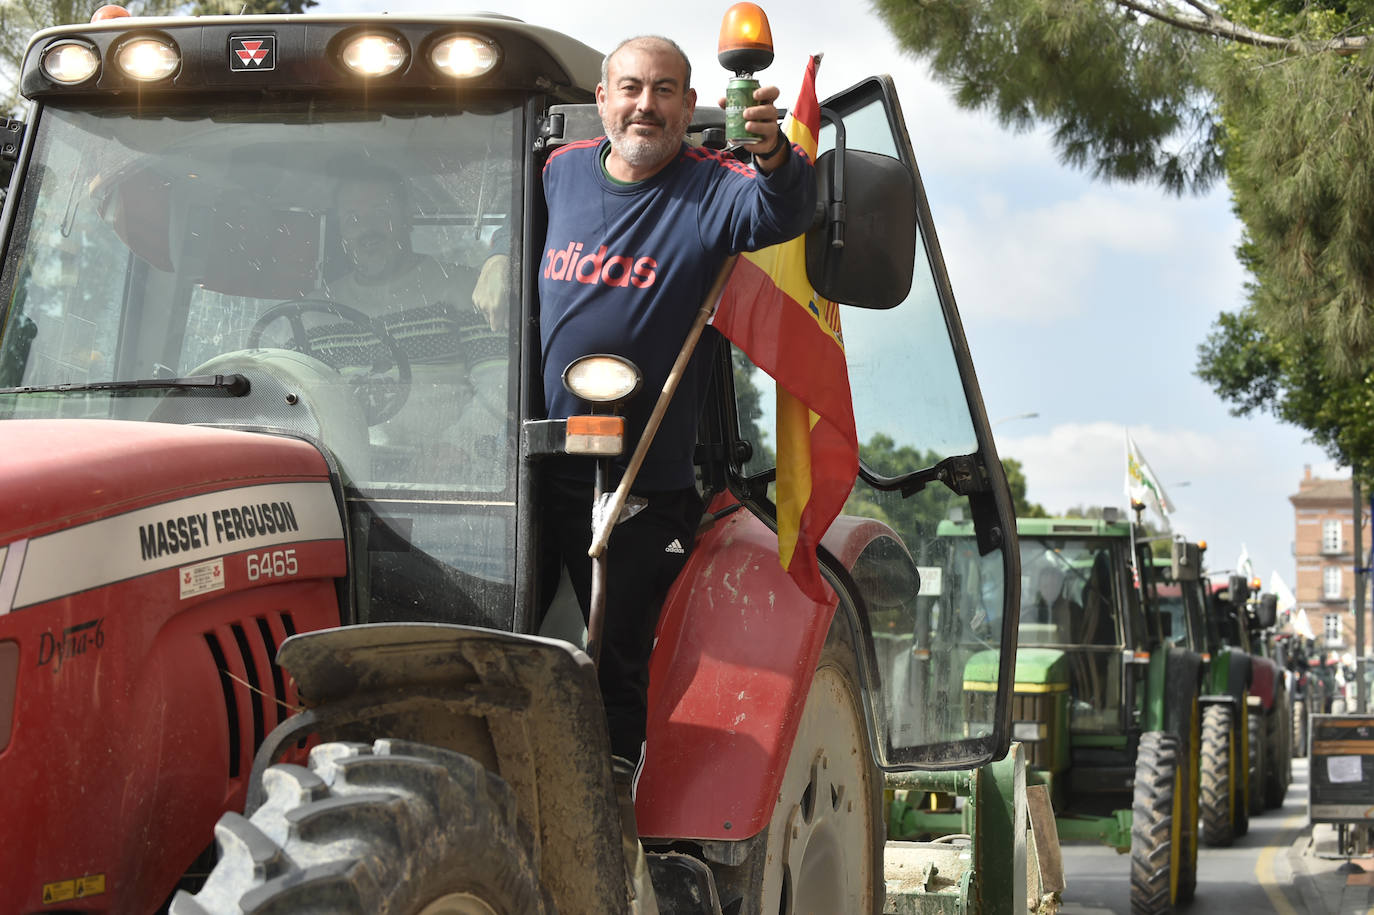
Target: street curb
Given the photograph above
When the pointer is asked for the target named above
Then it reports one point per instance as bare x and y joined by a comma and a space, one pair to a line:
1318, 878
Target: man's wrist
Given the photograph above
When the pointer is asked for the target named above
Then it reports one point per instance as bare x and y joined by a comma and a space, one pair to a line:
777, 148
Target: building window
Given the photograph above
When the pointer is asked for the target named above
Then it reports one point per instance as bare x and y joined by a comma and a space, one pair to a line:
1331, 536
1331, 582
1332, 629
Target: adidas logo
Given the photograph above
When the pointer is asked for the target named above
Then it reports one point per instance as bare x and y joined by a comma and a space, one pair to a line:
674, 547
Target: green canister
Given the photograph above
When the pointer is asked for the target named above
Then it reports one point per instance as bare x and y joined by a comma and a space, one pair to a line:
739, 95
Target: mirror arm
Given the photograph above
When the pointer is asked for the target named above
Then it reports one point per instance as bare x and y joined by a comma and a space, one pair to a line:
962, 473
834, 208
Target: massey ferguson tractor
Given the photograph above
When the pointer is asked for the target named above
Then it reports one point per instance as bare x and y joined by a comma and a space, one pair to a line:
272, 628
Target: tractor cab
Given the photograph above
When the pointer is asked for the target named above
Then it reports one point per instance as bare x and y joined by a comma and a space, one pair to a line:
238, 257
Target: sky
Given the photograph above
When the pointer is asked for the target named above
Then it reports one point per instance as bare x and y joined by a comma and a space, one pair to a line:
1083, 302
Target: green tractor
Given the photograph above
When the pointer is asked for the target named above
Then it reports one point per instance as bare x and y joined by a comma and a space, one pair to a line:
1248, 700
1226, 758
1105, 702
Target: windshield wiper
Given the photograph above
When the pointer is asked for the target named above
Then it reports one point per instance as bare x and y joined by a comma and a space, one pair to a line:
235, 385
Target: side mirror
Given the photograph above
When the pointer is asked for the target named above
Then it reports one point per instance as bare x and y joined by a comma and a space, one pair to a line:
1267, 613
1185, 560
862, 250
1240, 590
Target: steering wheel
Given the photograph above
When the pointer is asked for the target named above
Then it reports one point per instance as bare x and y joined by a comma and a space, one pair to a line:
383, 397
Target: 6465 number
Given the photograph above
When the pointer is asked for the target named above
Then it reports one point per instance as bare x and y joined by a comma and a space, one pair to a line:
272, 564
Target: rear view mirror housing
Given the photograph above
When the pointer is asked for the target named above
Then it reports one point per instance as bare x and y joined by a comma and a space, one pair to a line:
862, 249
1267, 611
1186, 561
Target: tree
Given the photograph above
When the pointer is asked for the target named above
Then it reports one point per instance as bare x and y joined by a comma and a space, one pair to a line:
1288, 378
19, 19
1016, 482
1274, 94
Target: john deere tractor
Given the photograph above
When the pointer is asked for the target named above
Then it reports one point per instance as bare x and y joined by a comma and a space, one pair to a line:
1105, 701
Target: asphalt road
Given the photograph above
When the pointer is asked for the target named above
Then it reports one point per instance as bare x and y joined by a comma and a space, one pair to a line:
1249, 877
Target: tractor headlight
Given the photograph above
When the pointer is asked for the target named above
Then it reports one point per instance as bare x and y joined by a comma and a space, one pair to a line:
70, 62
372, 54
602, 379
464, 56
148, 59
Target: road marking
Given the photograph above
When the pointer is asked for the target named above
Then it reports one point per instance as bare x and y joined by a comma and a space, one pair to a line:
1264, 867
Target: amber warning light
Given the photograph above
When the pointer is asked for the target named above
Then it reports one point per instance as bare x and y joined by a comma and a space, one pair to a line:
746, 42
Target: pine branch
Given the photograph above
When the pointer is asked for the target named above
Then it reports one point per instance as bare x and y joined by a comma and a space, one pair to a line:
1210, 22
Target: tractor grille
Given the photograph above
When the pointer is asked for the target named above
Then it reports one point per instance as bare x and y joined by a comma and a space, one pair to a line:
255, 693
979, 709
1034, 711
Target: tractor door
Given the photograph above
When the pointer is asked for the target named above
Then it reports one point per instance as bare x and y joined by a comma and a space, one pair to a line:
924, 605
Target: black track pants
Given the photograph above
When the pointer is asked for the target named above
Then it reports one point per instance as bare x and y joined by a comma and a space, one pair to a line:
644, 556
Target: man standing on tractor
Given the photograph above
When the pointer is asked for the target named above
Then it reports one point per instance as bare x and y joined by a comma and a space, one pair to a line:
640, 223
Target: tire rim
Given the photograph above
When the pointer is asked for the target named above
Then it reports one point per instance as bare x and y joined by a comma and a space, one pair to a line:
823, 820
458, 904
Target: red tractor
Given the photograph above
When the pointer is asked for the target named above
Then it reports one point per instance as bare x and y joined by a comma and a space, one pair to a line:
250, 576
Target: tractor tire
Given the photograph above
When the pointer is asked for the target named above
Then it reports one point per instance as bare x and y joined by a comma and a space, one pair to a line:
1255, 727
1276, 770
1157, 824
1191, 776
395, 827
822, 850
1299, 729
1220, 800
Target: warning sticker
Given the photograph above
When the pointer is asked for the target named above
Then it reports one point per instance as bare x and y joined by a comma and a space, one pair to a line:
80, 888
201, 577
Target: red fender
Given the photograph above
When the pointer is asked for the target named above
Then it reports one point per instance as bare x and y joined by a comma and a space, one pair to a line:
1264, 679
738, 644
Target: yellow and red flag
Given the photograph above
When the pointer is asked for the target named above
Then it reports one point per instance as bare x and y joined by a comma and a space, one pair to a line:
769, 310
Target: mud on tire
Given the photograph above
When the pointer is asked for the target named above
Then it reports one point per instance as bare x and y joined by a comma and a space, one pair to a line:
1155, 829
387, 828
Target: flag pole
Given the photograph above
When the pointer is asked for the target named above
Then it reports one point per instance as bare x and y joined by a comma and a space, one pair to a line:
604, 521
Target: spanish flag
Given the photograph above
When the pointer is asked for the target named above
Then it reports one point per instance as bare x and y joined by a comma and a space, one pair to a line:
769, 310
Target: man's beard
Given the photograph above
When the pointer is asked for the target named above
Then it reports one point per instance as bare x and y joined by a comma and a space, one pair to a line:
645, 151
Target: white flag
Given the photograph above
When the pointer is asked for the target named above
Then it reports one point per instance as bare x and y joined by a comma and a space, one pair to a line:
1280, 589
1142, 485
1243, 564
1302, 627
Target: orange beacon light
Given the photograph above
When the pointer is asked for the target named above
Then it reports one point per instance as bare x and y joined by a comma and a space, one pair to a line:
746, 42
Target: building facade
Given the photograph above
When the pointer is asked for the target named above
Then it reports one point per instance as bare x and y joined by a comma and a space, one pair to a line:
1324, 552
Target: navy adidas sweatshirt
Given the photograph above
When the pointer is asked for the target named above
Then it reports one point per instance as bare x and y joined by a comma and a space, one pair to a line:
626, 267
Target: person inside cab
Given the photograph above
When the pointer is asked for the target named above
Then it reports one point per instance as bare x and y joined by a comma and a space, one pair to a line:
455, 407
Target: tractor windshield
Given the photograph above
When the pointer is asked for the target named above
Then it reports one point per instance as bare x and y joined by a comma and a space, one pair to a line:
1179, 605
1071, 600
325, 253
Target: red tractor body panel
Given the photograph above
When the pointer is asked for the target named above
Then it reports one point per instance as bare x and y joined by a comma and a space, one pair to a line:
1265, 677
737, 647
149, 572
